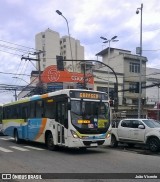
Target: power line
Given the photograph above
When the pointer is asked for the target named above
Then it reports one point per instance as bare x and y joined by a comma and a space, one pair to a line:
11, 53
17, 45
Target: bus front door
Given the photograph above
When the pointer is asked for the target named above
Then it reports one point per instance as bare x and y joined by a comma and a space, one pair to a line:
62, 117
60, 133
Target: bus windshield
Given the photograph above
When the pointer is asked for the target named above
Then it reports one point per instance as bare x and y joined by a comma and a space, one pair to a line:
90, 116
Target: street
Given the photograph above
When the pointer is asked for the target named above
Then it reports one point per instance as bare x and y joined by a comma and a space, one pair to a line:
34, 158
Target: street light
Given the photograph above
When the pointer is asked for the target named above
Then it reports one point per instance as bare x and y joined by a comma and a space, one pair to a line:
60, 13
108, 41
140, 53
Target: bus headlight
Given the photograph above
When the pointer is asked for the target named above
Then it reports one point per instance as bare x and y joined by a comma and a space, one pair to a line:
74, 134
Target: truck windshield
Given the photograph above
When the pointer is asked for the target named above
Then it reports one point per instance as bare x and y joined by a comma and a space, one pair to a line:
152, 123
90, 116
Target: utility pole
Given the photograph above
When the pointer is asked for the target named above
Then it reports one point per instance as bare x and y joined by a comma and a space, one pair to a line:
84, 81
39, 67
15, 94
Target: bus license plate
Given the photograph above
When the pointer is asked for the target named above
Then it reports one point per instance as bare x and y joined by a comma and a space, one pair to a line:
94, 144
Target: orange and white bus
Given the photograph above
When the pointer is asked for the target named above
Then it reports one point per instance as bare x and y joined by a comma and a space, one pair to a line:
73, 118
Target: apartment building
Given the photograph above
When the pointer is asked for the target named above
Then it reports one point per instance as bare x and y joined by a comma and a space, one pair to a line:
127, 67
49, 42
52, 44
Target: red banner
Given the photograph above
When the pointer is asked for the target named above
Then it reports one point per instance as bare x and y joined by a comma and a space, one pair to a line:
51, 74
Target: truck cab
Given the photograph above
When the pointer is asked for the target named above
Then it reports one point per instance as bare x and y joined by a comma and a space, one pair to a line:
136, 131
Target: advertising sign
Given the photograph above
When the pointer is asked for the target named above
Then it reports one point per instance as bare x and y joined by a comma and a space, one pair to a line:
51, 74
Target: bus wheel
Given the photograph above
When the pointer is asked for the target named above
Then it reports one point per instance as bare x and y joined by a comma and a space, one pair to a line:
50, 143
16, 137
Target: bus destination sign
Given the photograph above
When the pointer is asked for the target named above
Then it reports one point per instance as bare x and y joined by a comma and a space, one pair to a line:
88, 95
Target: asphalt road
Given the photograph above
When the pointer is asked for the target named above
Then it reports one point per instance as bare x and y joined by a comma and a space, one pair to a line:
31, 157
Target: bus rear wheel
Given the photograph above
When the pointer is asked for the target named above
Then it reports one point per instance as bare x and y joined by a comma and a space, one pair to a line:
50, 143
16, 137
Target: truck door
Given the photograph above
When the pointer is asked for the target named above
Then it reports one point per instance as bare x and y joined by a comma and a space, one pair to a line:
123, 129
136, 133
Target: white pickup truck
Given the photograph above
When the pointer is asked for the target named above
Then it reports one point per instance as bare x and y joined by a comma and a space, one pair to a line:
136, 131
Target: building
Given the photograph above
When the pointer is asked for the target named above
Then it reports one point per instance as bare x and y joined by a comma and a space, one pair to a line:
75, 53
152, 93
49, 42
53, 45
128, 66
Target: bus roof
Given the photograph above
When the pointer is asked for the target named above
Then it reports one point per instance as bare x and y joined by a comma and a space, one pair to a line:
50, 94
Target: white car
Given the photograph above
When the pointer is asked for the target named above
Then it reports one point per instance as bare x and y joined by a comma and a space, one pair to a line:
137, 131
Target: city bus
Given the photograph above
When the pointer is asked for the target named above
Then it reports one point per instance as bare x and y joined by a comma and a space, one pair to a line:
73, 118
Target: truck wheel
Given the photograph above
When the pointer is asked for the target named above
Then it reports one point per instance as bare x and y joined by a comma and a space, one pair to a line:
154, 144
50, 143
114, 142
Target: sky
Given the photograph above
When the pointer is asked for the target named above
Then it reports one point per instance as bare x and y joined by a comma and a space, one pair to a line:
88, 20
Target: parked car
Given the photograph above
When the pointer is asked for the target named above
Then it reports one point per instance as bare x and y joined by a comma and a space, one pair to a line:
136, 131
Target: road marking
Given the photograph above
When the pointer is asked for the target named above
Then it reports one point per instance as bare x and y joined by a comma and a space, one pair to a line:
5, 150
19, 148
7, 138
30, 147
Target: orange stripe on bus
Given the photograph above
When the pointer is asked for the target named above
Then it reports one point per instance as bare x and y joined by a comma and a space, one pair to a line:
43, 125
44, 96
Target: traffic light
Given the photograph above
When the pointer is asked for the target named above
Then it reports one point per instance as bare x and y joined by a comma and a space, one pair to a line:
116, 97
111, 95
60, 65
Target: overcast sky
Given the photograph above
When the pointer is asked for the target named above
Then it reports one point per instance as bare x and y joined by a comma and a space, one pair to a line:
88, 20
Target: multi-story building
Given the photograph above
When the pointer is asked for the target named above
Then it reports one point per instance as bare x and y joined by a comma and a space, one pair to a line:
75, 52
49, 42
53, 45
153, 92
127, 67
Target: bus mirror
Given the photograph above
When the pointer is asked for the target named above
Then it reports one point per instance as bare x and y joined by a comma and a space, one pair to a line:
69, 106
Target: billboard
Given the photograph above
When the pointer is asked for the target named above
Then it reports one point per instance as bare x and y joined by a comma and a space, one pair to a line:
51, 74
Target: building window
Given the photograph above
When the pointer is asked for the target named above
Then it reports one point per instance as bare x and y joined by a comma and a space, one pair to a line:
44, 59
64, 46
64, 52
134, 87
60, 42
44, 54
134, 67
64, 40
64, 57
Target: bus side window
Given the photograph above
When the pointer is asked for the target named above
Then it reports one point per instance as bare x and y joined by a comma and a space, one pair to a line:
49, 108
39, 109
24, 111
32, 110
